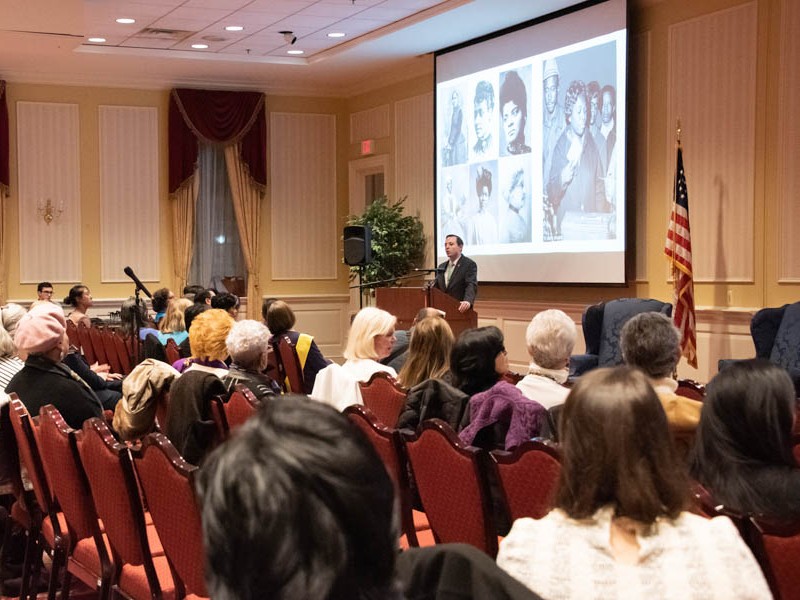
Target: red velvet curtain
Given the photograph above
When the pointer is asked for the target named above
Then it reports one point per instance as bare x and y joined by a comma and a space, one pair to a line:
5, 179
216, 117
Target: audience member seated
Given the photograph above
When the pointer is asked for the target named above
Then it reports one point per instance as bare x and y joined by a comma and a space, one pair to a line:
162, 298
620, 529
173, 325
428, 352
397, 358
651, 342
205, 297
106, 386
191, 291
135, 414
280, 320
10, 362
41, 336
743, 451
247, 344
370, 339
227, 302
189, 315
81, 299
133, 317
190, 426
207, 339
550, 339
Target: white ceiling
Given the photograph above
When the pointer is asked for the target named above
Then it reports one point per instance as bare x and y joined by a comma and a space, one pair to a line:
386, 40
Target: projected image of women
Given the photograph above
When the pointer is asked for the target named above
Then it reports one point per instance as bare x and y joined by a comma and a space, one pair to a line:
515, 226
453, 201
575, 182
455, 149
482, 226
513, 113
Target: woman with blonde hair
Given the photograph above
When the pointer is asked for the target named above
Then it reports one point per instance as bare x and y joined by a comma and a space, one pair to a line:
207, 338
620, 528
428, 352
371, 339
172, 325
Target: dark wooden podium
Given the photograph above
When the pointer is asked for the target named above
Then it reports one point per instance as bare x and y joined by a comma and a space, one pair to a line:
405, 302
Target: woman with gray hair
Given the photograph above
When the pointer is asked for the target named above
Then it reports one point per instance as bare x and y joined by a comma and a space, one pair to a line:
550, 339
10, 363
248, 345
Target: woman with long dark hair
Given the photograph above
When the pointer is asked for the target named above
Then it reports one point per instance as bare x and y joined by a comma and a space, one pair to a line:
743, 448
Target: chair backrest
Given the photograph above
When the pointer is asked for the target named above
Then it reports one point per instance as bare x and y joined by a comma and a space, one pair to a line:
172, 351
124, 353
168, 484
388, 445
453, 486
162, 410
86, 343
107, 335
776, 546
528, 479
98, 346
109, 470
72, 334
688, 388
602, 335
240, 407
29, 456
384, 397
59, 450
153, 348
290, 374
220, 419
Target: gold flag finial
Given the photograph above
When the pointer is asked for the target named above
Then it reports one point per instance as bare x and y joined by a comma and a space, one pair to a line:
678, 132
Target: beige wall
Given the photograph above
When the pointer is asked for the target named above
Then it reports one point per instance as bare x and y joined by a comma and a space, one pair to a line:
734, 96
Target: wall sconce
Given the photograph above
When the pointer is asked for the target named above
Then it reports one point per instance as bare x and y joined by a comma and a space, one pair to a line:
48, 211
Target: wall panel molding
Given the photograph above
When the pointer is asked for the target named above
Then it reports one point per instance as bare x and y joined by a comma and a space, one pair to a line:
48, 166
638, 156
711, 89
413, 174
305, 231
129, 192
788, 247
369, 124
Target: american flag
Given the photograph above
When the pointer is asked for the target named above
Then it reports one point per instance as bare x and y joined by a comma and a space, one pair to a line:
679, 253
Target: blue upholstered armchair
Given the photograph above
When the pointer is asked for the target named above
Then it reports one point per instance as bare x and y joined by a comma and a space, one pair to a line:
776, 337
602, 324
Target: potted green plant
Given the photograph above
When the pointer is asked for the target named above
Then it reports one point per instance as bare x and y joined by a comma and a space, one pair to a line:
398, 241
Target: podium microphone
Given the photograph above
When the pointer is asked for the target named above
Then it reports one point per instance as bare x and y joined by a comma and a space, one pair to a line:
129, 272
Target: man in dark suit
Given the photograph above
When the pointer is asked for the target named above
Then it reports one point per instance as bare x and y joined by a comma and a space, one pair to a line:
458, 276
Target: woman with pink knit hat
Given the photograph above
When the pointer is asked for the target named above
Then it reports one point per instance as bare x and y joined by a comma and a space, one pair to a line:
41, 338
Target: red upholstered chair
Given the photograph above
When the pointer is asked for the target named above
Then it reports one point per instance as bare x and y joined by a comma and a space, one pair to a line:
107, 335
47, 524
124, 353
452, 484
88, 558
97, 344
240, 407
138, 573
389, 446
172, 351
528, 478
168, 484
162, 410
290, 374
512, 377
86, 343
776, 546
222, 429
72, 334
384, 397
688, 388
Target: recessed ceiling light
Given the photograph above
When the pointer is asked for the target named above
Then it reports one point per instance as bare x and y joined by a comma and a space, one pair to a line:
199, 46
126, 21
97, 40
336, 34
294, 52
234, 28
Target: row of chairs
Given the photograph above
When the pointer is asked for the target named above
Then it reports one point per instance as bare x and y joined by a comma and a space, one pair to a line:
104, 346
454, 481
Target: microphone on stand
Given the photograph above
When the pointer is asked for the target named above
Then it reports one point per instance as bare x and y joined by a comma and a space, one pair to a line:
129, 272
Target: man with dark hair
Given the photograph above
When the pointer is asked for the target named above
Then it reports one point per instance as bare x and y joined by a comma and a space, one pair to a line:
44, 291
204, 297
458, 276
161, 299
227, 302
190, 291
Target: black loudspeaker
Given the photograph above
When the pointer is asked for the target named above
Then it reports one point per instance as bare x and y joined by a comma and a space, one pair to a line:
357, 245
